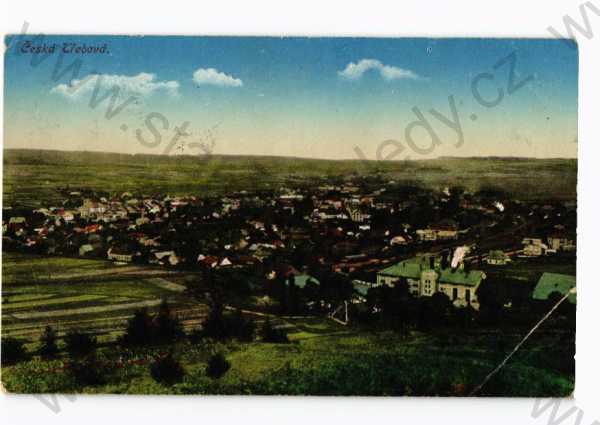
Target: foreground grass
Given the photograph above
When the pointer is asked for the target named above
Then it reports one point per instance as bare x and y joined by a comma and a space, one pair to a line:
324, 358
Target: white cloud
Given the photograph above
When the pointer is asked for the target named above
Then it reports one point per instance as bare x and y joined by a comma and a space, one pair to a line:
142, 85
354, 71
211, 76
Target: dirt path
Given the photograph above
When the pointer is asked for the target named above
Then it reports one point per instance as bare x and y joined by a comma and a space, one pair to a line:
85, 310
165, 284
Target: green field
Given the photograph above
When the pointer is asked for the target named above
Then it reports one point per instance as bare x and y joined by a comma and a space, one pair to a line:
324, 358
71, 293
31, 178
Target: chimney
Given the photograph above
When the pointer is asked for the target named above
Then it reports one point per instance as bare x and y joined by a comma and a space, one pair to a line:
432, 262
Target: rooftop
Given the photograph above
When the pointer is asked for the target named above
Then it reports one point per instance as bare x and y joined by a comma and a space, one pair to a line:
413, 268
554, 282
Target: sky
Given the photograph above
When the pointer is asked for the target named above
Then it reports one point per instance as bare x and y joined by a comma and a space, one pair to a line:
329, 98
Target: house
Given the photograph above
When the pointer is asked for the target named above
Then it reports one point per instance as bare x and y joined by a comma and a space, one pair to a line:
119, 255
85, 249
91, 208
426, 235
426, 276
302, 280
15, 223
534, 247
65, 215
555, 283
398, 240
208, 260
442, 231
162, 257
497, 258
561, 242
356, 214
225, 262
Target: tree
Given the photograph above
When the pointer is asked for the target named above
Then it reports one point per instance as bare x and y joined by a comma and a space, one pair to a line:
492, 297
293, 296
167, 370
139, 330
217, 366
168, 328
80, 344
214, 325
88, 372
48, 348
12, 351
270, 333
242, 328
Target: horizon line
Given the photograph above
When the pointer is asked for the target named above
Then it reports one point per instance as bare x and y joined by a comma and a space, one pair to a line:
293, 156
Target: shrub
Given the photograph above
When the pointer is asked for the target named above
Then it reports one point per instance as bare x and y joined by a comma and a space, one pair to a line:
88, 372
214, 326
167, 327
217, 366
48, 348
270, 333
12, 351
139, 329
240, 327
79, 344
167, 370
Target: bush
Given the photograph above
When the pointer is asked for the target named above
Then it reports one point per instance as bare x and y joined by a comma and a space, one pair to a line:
139, 330
219, 326
167, 328
167, 370
48, 348
88, 372
12, 351
240, 327
270, 333
79, 344
218, 365
214, 326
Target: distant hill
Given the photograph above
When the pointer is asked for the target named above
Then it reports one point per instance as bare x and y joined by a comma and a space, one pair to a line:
32, 177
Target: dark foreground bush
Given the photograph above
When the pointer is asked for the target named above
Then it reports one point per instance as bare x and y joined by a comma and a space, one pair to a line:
88, 372
217, 366
221, 327
80, 344
48, 348
167, 370
12, 351
270, 333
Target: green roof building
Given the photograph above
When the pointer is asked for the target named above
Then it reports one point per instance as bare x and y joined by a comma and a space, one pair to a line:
302, 279
554, 282
426, 276
497, 258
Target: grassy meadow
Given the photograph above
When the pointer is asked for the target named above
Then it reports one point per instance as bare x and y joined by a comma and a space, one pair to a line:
32, 178
325, 358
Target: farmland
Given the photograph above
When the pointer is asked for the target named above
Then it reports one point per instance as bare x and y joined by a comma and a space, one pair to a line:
77, 293
32, 178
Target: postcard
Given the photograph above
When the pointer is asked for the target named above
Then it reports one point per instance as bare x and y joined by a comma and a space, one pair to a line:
299, 216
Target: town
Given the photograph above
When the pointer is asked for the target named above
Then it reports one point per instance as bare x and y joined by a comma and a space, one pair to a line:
368, 230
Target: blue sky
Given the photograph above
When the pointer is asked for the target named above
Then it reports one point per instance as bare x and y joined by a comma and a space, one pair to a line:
310, 97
